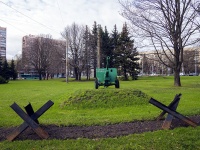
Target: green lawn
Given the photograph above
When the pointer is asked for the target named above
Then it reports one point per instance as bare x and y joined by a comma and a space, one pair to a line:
89, 113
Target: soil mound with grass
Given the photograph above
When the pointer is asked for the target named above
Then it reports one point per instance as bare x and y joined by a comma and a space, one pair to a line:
91, 99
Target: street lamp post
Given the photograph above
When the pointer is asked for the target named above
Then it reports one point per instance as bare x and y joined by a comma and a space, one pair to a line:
67, 77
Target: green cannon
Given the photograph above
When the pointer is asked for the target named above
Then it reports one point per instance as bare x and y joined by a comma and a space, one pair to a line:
106, 76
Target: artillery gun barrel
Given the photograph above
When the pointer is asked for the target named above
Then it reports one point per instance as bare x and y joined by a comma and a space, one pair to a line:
107, 61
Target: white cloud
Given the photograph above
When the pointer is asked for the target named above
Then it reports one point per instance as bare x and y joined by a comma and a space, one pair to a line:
52, 16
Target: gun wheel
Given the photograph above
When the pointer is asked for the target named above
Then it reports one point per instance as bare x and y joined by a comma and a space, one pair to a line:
96, 84
116, 83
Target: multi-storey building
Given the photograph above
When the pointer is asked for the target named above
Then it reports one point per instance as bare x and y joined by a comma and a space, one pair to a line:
3, 43
151, 65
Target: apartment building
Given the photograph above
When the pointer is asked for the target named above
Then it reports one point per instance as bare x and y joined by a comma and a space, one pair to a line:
3, 43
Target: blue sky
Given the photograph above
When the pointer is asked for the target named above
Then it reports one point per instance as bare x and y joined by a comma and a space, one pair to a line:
24, 17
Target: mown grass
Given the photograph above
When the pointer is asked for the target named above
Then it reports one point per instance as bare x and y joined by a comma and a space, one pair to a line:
100, 107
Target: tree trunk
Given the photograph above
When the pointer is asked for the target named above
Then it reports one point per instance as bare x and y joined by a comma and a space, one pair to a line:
125, 74
47, 76
178, 61
79, 76
76, 73
177, 80
40, 75
44, 76
87, 73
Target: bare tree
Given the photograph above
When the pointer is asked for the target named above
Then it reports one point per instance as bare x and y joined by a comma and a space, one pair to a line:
170, 25
87, 52
74, 36
58, 58
18, 63
41, 53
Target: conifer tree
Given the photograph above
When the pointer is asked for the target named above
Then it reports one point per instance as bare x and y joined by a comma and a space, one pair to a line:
105, 47
94, 48
114, 37
5, 71
134, 68
126, 54
13, 72
2, 79
87, 52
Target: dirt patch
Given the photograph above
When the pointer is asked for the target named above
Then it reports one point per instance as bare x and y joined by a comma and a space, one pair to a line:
92, 132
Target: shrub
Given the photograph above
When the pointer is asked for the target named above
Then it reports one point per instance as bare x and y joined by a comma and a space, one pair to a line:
2, 80
122, 78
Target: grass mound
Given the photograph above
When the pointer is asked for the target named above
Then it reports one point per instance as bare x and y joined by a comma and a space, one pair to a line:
108, 98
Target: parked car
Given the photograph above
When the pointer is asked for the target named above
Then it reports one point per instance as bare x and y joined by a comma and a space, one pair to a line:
182, 74
193, 74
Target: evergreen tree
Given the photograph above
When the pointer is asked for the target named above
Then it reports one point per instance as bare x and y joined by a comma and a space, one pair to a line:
13, 72
114, 37
126, 54
134, 68
5, 71
87, 54
105, 47
2, 79
94, 48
